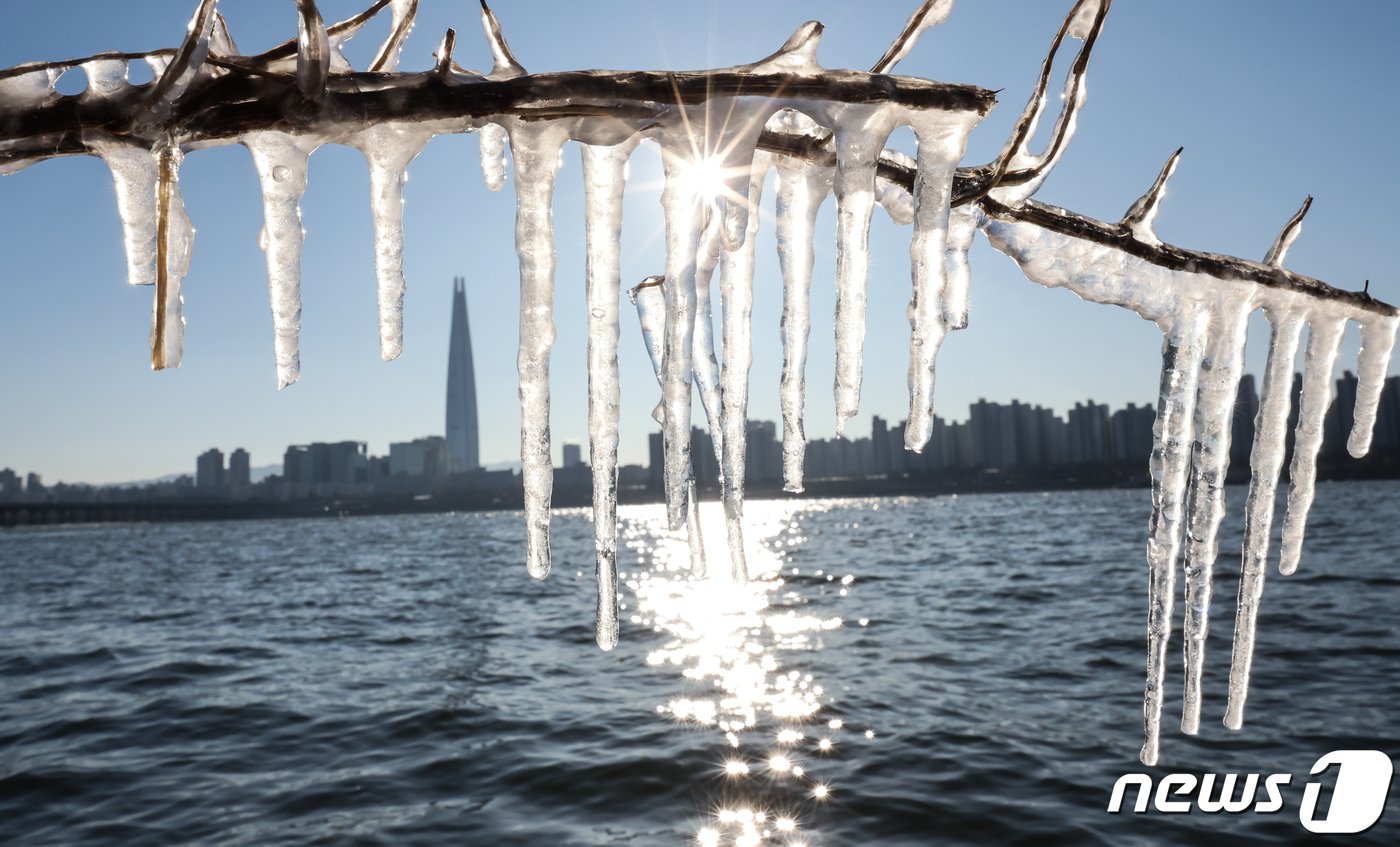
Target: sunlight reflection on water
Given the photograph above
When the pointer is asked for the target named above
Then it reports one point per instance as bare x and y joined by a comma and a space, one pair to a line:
729, 640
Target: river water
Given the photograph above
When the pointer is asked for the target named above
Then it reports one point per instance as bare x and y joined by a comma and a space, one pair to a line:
956, 670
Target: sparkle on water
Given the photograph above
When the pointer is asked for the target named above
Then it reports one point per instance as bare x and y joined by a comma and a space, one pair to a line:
729, 642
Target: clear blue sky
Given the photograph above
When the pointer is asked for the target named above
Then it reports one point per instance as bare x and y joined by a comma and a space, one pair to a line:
1272, 100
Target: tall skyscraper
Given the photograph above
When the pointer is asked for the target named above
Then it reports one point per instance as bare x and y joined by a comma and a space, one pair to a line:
463, 435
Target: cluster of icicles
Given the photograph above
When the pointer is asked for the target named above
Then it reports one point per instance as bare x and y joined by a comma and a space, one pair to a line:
1203, 318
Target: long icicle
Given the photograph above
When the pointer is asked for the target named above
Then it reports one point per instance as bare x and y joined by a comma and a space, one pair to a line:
536, 153
1171, 438
684, 213
939, 152
389, 149
136, 177
860, 133
703, 361
736, 288
801, 189
281, 163
174, 246
604, 171
1217, 390
1324, 340
1266, 462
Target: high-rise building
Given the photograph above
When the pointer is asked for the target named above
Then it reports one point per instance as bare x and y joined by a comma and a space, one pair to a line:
209, 469
239, 472
573, 454
463, 434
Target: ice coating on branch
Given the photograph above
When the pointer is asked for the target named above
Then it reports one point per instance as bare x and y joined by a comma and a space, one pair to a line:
1182, 350
536, 150
798, 55
942, 139
492, 138
1324, 341
135, 173
1084, 23
859, 134
736, 288
220, 39
1216, 393
801, 190
1143, 214
930, 14
313, 50
402, 13
174, 247
175, 79
281, 163
897, 201
505, 65
1377, 342
1265, 461
604, 171
389, 148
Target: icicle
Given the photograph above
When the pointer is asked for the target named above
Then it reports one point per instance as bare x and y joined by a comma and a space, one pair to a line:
505, 65
135, 174
703, 361
30, 88
650, 299
493, 155
603, 177
694, 536
536, 152
1139, 219
1324, 340
389, 148
402, 14
313, 50
929, 15
801, 189
280, 160
177, 77
941, 145
1291, 230
963, 223
681, 202
736, 288
798, 55
860, 133
1265, 461
1217, 391
1182, 350
1377, 341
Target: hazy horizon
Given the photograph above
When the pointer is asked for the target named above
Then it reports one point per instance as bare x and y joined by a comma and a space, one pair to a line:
1272, 103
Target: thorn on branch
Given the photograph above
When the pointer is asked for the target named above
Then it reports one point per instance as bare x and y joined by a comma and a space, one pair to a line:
313, 51
929, 15
1140, 216
505, 65
444, 52
1291, 231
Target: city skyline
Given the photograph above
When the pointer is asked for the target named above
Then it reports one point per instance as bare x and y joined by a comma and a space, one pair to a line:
80, 333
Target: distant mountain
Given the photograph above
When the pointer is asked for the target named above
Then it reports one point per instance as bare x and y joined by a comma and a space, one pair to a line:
257, 474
